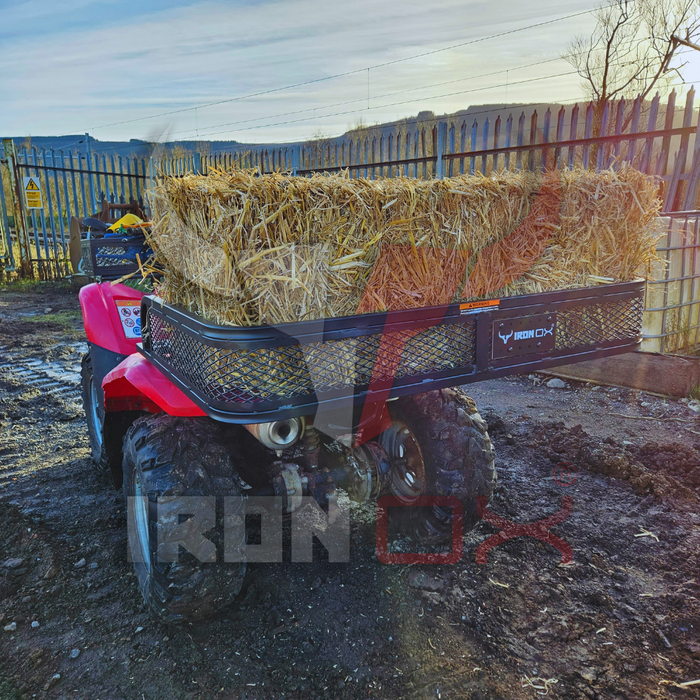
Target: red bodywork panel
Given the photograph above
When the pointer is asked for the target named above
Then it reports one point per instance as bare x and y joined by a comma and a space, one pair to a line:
101, 317
136, 385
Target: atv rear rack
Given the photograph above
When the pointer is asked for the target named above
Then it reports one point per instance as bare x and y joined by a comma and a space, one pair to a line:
264, 373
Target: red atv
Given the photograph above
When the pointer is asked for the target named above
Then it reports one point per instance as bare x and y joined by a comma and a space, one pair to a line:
178, 407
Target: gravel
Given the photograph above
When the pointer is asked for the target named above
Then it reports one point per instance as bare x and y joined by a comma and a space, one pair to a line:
287, 637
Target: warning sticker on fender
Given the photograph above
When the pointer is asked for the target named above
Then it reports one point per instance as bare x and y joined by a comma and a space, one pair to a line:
130, 316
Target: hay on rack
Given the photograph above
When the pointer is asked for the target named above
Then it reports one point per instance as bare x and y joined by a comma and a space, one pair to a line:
244, 249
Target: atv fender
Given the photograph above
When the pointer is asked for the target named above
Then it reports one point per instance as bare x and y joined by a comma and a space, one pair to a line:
136, 385
103, 326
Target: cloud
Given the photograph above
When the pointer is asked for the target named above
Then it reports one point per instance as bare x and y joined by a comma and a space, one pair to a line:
182, 56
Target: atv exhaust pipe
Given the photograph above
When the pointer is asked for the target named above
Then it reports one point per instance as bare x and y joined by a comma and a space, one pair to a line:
277, 435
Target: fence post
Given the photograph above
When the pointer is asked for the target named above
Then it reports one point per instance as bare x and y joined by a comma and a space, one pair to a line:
533, 141
666, 141
197, 163
151, 182
645, 165
295, 159
485, 144
91, 183
670, 197
691, 193
687, 120
440, 150
5, 229
18, 207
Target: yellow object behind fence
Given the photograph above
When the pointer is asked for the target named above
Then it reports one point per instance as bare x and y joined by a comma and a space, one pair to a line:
126, 221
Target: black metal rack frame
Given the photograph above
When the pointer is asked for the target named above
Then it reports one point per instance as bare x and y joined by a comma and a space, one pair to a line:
263, 373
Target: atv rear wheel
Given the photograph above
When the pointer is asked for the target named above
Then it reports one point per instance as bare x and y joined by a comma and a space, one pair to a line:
170, 458
439, 446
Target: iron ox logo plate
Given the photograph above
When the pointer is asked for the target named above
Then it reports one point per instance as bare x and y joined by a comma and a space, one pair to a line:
530, 335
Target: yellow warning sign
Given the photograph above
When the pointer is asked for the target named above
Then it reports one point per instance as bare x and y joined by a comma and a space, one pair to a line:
32, 193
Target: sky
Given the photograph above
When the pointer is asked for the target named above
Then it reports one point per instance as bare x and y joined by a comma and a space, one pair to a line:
113, 67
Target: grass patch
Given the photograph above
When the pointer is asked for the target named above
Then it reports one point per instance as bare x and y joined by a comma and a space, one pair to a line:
695, 393
65, 319
31, 285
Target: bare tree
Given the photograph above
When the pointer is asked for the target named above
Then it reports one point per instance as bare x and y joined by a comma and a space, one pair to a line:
632, 50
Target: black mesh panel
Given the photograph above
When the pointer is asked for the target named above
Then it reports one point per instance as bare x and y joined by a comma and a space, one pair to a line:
290, 371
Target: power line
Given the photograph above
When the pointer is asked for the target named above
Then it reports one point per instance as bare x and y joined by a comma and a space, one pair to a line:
388, 94
404, 121
565, 102
347, 73
363, 99
508, 83
394, 104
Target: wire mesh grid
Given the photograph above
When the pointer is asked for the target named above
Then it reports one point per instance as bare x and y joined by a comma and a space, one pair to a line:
599, 323
243, 375
225, 372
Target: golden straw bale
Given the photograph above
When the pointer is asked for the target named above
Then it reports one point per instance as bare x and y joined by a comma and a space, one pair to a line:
245, 249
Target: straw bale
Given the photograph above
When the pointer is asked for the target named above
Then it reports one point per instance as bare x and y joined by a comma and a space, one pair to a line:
245, 249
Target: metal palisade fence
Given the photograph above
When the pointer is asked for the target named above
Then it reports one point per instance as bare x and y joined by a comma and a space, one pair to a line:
658, 139
35, 241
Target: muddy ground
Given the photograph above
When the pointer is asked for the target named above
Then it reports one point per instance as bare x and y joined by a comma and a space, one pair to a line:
623, 621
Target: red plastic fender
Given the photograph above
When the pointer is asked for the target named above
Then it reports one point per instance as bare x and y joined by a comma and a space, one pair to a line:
136, 385
101, 316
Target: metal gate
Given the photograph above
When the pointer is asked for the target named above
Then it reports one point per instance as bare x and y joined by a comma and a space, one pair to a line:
672, 316
35, 241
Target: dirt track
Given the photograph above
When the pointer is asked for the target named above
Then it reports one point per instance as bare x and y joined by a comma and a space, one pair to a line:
618, 623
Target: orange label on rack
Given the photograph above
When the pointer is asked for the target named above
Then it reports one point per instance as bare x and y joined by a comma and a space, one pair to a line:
477, 305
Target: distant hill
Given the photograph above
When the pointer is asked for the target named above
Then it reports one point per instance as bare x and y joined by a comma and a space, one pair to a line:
134, 148
139, 148
478, 112
142, 149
